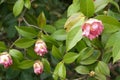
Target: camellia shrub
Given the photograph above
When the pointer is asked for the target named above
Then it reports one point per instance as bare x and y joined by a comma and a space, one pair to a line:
83, 44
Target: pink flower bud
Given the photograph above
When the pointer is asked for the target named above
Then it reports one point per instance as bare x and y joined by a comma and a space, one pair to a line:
38, 67
92, 28
5, 59
40, 47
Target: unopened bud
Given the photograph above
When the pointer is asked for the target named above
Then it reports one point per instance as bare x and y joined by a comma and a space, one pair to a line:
5, 59
92, 73
38, 67
40, 47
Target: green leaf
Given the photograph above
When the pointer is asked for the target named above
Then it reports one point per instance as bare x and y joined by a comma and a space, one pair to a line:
31, 53
74, 36
115, 4
18, 7
50, 40
26, 64
102, 68
116, 51
110, 24
87, 7
24, 43
92, 59
27, 32
100, 76
59, 35
80, 45
113, 14
46, 65
60, 71
41, 20
85, 53
30, 18
55, 73
2, 46
70, 57
106, 57
113, 38
82, 70
59, 24
100, 4
16, 54
73, 21
49, 28
73, 8
56, 53
27, 4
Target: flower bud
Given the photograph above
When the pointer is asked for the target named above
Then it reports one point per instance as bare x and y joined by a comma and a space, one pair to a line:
5, 59
92, 73
40, 47
92, 28
38, 67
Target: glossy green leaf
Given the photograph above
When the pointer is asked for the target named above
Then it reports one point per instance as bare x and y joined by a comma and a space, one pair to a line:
60, 71
41, 20
113, 14
100, 4
87, 7
113, 38
26, 64
110, 24
27, 32
18, 7
55, 73
73, 21
73, 8
74, 36
46, 65
2, 45
100, 76
50, 40
59, 24
116, 51
106, 57
49, 28
70, 57
85, 53
82, 70
80, 45
59, 35
16, 54
92, 59
102, 68
31, 53
24, 43
27, 4
56, 53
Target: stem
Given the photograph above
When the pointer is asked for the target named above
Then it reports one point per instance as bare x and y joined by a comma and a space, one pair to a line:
30, 24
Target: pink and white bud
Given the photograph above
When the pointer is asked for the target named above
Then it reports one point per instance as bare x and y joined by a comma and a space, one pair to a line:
92, 28
40, 47
38, 67
5, 59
